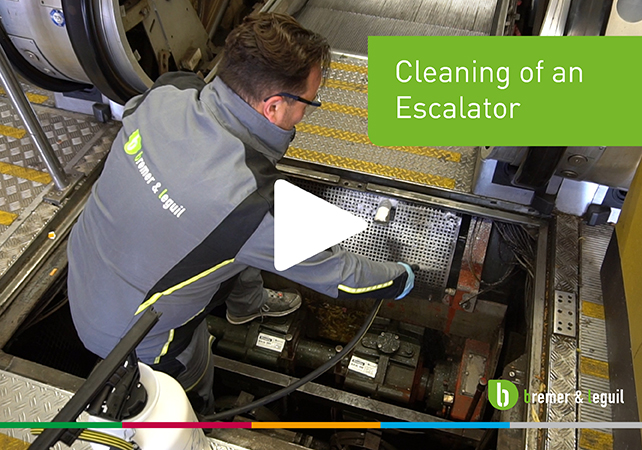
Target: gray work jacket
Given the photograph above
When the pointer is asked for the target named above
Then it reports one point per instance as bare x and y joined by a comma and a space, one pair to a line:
185, 202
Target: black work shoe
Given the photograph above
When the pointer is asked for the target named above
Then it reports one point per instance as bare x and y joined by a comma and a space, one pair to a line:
278, 304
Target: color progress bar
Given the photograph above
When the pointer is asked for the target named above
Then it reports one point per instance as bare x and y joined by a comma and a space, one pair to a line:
334, 425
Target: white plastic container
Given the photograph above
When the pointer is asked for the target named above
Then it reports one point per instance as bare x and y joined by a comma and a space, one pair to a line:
166, 402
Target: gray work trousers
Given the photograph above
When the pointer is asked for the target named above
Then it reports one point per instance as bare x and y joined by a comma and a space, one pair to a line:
197, 378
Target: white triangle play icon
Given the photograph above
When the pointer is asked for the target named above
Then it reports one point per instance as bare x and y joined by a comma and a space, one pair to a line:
305, 225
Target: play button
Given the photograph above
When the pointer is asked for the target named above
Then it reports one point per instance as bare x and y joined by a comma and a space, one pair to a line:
305, 225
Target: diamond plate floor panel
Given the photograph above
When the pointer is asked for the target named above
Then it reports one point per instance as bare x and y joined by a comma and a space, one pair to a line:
25, 400
78, 141
562, 378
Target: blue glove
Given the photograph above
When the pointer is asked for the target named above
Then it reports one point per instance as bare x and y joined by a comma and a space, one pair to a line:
410, 282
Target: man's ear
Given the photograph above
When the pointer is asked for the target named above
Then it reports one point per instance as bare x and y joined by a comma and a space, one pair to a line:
272, 107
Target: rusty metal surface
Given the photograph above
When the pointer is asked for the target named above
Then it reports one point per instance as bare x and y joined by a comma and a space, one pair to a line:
474, 366
472, 265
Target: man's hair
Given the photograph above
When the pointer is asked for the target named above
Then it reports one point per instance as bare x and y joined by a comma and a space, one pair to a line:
271, 53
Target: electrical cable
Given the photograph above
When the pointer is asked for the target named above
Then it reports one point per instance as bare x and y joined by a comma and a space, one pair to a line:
43, 315
98, 437
309, 377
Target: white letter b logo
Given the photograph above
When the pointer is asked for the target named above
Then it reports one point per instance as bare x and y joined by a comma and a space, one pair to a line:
502, 394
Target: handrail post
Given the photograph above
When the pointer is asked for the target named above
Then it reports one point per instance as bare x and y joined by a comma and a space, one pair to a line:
28, 116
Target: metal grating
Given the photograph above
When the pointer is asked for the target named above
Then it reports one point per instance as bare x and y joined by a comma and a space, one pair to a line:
417, 234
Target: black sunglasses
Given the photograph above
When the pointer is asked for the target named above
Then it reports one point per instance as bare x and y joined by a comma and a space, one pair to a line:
314, 103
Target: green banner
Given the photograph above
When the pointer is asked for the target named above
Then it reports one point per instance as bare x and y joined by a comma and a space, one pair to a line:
508, 91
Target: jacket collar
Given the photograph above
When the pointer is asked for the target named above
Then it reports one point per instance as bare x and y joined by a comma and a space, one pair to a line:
244, 122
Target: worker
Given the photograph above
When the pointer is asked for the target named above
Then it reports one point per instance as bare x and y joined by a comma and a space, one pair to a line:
181, 217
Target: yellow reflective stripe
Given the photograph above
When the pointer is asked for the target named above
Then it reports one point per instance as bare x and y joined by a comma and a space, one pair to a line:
362, 290
158, 295
165, 347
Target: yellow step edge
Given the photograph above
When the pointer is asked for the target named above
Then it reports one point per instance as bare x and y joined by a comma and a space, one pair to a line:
345, 109
33, 98
371, 168
16, 133
358, 138
6, 219
9, 443
348, 67
26, 173
595, 440
346, 85
593, 310
593, 367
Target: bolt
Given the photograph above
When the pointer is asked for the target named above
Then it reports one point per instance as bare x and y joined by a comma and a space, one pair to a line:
379, 345
288, 337
383, 334
569, 174
396, 337
577, 160
338, 348
511, 374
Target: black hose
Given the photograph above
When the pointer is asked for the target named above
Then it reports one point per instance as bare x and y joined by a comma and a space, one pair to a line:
309, 377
